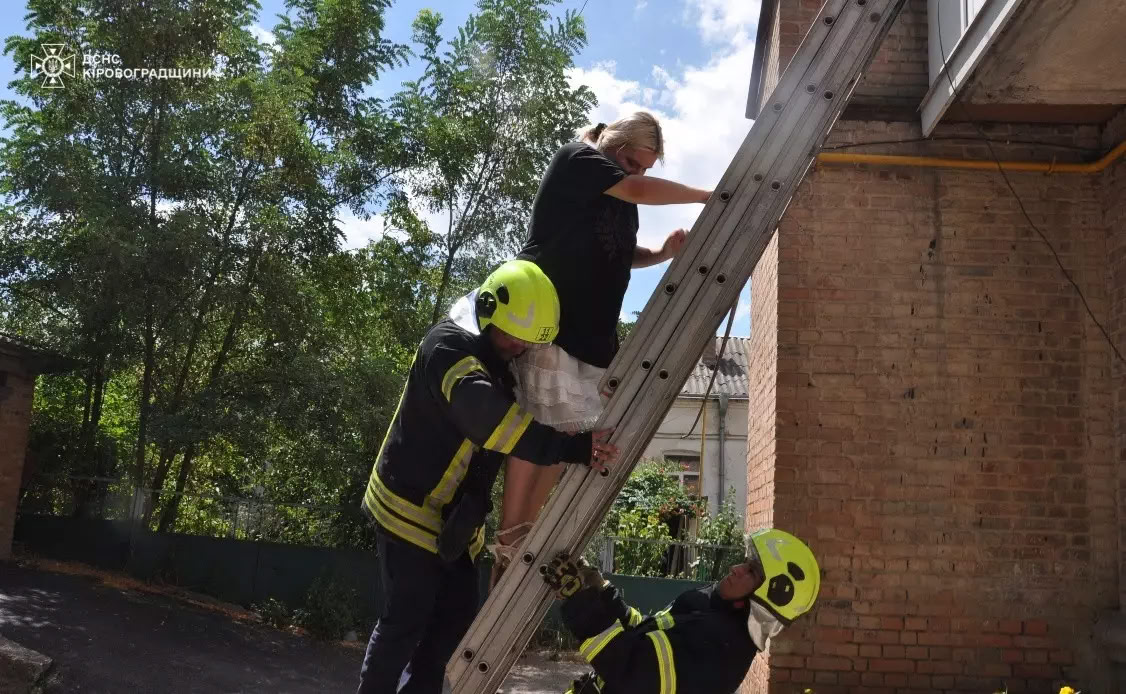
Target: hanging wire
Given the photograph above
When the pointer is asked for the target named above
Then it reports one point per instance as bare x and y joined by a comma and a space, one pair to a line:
715, 371
1020, 203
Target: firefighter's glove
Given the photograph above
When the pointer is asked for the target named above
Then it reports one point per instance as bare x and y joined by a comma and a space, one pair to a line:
587, 684
567, 576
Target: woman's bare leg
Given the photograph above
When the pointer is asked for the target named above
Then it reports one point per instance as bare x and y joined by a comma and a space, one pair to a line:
526, 489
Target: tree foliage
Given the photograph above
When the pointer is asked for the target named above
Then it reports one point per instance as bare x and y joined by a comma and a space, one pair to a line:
180, 237
489, 111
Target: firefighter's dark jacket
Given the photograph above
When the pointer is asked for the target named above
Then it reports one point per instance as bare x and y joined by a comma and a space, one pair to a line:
457, 416
698, 645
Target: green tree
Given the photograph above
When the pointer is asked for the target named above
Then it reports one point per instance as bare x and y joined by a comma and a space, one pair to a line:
625, 327
488, 113
179, 236
170, 231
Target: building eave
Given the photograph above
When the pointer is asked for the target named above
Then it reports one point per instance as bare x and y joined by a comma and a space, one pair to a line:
762, 38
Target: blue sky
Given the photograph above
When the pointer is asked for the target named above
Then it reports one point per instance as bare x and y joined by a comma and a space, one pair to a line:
687, 61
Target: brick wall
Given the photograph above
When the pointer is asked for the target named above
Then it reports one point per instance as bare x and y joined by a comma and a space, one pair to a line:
762, 358
16, 388
898, 74
1114, 197
944, 421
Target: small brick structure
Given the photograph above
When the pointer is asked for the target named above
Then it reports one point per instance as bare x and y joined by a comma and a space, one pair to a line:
931, 406
20, 363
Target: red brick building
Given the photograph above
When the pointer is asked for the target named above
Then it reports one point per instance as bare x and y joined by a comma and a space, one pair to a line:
20, 363
930, 403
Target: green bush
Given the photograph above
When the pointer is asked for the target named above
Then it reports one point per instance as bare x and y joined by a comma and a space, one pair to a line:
275, 613
331, 608
646, 558
725, 529
651, 489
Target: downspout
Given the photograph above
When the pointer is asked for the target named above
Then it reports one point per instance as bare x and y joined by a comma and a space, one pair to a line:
722, 435
703, 438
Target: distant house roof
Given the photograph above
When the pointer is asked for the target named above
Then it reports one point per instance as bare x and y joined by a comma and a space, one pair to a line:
40, 359
732, 377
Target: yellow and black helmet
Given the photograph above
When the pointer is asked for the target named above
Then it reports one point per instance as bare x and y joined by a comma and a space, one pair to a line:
519, 299
792, 575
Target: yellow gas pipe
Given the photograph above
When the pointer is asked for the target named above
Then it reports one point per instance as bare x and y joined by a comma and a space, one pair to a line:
987, 165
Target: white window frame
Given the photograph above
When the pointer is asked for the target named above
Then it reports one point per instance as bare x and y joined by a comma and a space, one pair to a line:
677, 457
975, 25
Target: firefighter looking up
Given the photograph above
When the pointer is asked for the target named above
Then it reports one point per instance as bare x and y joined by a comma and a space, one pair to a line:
705, 641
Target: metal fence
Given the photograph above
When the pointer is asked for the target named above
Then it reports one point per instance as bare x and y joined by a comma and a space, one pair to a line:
630, 556
256, 552
256, 519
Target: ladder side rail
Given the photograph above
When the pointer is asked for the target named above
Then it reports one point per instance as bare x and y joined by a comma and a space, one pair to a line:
566, 521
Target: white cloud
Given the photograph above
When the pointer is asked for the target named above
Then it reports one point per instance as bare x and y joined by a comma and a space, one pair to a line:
360, 232
263, 34
701, 109
724, 21
640, 6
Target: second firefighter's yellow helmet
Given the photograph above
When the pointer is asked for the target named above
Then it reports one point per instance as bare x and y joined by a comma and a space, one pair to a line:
519, 299
792, 575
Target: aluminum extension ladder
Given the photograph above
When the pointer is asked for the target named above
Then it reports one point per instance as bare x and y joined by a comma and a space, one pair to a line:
695, 293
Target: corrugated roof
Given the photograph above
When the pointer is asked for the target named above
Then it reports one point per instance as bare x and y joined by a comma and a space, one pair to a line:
732, 378
41, 359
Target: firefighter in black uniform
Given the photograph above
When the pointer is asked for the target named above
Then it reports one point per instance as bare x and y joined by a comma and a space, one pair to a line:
429, 491
704, 642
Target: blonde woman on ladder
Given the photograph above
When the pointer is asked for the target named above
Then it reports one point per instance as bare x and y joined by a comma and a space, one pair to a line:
583, 235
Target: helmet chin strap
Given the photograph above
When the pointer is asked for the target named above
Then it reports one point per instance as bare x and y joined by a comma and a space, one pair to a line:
762, 625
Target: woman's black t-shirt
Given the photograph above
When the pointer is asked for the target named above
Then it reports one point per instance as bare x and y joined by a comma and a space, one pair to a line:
584, 241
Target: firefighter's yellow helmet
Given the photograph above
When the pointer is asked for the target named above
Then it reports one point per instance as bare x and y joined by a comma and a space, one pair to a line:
519, 299
792, 575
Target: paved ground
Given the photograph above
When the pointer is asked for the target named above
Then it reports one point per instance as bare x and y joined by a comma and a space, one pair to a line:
110, 637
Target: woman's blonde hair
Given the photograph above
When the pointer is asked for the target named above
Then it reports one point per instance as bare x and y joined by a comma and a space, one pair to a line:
640, 130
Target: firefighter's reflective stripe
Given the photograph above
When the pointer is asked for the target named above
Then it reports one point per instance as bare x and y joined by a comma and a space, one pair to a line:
400, 517
422, 537
426, 518
478, 543
634, 617
665, 664
401, 528
594, 645
664, 620
459, 371
509, 431
443, 492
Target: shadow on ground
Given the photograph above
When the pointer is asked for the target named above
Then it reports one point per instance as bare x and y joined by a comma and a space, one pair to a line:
110, 639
